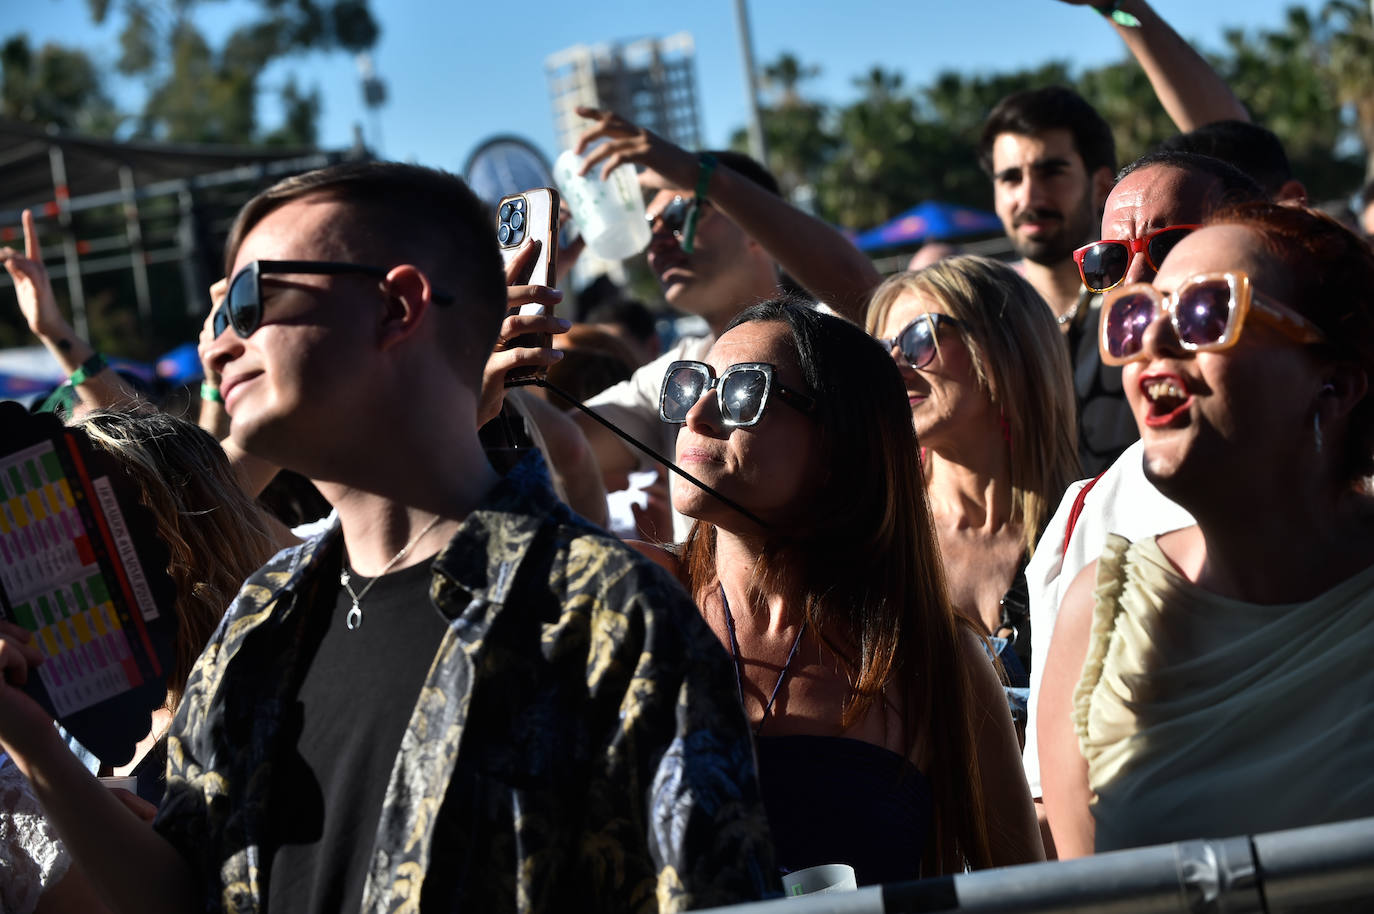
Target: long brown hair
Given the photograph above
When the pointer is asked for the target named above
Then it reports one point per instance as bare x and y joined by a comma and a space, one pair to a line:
215, 534
866, 569
1021, 364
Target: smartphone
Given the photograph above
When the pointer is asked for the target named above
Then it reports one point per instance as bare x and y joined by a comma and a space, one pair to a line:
530, 215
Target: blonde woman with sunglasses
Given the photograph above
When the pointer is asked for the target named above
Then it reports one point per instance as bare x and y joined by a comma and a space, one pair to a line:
1215, 680
991, 399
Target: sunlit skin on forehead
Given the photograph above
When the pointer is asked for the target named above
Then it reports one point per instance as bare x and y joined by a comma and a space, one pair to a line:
1156, 197
1218, 249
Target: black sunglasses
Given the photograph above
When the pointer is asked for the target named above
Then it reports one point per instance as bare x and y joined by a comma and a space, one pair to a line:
1103, 264
741, 391
242, 307
915, 343
676, 217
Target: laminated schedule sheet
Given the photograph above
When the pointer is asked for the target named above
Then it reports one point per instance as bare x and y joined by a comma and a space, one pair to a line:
72, 570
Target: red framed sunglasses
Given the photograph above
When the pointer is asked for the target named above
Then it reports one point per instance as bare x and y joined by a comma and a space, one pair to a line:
1103, 264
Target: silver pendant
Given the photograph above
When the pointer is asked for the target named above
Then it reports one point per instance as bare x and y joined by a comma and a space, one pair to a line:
354, 619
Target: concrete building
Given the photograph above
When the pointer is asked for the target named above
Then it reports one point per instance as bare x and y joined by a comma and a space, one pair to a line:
651, 81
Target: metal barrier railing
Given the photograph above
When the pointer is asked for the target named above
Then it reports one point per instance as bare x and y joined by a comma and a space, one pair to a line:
1319, 868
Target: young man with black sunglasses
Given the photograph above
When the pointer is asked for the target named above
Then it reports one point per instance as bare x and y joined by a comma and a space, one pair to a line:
462, 696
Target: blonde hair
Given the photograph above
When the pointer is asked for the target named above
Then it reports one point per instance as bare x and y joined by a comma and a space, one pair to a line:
216, 536
1020, 362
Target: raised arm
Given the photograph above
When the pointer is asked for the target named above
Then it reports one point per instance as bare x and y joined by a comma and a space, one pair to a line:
1063, 770
97, 385
1189, 89
811, 251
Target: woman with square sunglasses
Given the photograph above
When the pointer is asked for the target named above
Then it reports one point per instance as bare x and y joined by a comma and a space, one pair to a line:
991, 398
883, 736
1215, 680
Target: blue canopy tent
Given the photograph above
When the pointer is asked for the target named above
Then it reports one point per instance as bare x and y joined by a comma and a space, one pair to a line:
927, 222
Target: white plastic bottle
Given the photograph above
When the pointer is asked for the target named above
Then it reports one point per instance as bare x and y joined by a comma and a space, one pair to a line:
609, 213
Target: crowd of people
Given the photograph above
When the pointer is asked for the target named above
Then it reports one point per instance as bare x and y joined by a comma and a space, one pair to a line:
975, 565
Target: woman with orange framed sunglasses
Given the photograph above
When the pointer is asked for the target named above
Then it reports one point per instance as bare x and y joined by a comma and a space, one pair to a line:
1210, 681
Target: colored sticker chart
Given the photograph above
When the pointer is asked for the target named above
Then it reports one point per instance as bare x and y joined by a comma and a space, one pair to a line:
55, 585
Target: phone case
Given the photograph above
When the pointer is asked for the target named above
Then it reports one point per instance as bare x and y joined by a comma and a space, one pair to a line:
530, 214
520, 218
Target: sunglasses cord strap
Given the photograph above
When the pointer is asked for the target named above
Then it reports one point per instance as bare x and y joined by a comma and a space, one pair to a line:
631, 440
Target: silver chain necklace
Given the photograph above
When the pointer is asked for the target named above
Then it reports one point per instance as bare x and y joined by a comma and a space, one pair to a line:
1070, 314
354, 619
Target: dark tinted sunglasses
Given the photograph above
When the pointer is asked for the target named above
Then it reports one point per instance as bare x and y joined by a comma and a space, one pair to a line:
674, 215
1207, 313
742, 392
1102, 265
915, 343
242, 306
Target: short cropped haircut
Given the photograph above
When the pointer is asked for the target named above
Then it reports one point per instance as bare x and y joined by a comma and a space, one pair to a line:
748, 167
1253, 149
416, 215
1035, 111
1234, 185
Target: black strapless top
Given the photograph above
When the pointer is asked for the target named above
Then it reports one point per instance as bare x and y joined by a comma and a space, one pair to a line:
836, 800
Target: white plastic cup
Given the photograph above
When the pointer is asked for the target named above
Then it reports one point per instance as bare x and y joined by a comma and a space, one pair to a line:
125, 783
609, 213
826, 879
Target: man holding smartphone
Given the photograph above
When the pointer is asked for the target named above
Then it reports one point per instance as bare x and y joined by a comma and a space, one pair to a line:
461, 696
721, 232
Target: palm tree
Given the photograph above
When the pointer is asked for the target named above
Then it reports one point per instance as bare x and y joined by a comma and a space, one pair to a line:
1351, 65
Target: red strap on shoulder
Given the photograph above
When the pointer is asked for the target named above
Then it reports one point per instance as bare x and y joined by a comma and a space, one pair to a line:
1077, 509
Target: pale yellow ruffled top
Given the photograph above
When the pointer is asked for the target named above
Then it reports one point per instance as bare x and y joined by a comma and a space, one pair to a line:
1202, 716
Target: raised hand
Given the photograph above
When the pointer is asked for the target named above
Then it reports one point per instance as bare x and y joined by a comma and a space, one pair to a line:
626, 142
34, 289
207, 331
24, 725
503, 359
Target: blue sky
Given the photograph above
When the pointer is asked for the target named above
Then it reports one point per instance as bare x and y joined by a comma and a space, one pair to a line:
459, 71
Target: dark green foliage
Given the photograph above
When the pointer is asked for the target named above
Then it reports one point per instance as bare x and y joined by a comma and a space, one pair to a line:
1311, 81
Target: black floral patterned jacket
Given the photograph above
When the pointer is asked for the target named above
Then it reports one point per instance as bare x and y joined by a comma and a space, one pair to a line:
578, 743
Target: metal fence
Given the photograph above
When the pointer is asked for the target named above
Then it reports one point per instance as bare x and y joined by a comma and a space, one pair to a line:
1322, 868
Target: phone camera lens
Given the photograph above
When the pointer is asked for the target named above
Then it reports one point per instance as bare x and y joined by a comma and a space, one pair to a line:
503, 233
517, 236
517, 220
506, 209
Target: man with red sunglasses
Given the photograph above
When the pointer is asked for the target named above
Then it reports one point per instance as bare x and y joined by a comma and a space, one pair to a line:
1051, 158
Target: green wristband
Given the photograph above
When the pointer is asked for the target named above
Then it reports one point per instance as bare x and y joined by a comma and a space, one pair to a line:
1115, 13
210, 392
89, 369
707, 167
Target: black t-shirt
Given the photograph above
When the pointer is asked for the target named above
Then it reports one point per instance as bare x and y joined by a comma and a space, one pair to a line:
350, 713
